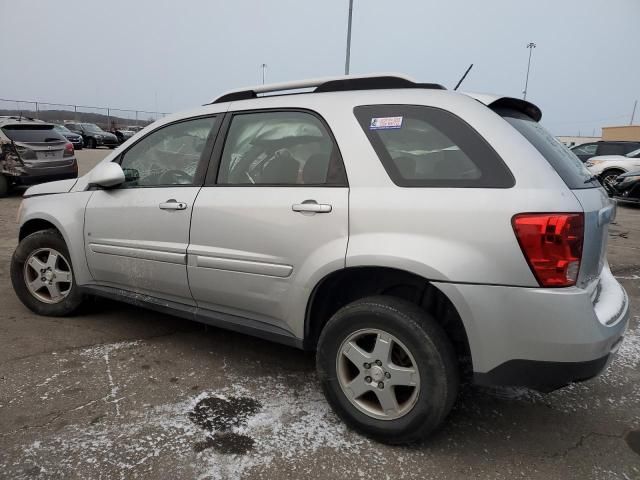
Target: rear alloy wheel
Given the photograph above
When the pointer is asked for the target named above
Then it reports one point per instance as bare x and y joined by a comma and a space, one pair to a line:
608, 180
4, 186
42, 275
387, 369
394, 381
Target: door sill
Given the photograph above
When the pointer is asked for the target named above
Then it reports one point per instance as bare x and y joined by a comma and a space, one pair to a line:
210, 317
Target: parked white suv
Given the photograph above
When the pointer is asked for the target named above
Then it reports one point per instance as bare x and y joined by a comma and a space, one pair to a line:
609, 167
412, 236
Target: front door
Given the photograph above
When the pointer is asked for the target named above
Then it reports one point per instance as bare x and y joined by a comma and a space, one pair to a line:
136, 235
276, 216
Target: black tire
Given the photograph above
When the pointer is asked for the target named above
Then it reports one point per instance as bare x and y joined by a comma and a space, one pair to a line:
429, 345
4, 186
31, 243
92, 143
606, 177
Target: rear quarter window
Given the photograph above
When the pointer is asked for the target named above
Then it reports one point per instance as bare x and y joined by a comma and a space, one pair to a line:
32, 133
569, 167
423, 146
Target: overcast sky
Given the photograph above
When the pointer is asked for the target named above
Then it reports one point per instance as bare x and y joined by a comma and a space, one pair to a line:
172, 55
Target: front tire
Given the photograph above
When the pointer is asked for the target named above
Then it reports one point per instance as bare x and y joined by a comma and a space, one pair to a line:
42, 275
387, 369
92, 143
608, 178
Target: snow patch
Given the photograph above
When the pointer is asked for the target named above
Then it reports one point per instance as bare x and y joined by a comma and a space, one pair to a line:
293, 422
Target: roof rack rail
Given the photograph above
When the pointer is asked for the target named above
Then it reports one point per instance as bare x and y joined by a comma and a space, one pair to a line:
330, 84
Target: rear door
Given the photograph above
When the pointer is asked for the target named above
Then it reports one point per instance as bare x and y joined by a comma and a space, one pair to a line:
136, 235
275, 216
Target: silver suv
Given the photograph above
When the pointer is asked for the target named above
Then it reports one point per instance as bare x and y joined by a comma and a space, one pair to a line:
413, 237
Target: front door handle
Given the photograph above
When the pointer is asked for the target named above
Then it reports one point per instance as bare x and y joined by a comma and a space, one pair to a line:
173, 204
311, 206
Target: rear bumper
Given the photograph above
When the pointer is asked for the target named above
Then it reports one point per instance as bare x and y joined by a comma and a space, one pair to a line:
542, 376
32, 175
541, 338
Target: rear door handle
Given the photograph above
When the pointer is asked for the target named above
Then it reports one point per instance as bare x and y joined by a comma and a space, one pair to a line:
311, 206
173, 204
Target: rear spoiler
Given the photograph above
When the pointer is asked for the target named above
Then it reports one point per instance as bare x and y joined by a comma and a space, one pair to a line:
494, 101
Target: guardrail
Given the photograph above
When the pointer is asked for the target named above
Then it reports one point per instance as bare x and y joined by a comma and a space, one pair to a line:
60, 112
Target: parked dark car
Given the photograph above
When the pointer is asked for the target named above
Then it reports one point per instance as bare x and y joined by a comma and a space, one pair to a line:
74, 138
627, 187
587, 150
93, 135
33, 152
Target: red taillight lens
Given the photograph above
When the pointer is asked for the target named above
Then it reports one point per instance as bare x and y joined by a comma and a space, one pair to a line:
68, 150
552, 245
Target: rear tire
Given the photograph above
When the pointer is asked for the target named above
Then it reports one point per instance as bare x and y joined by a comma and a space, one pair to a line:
42, 275
418, 367
4, 186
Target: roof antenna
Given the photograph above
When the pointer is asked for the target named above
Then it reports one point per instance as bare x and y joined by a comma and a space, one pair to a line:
463, 76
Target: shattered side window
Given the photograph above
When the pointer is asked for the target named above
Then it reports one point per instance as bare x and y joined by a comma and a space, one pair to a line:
168, 156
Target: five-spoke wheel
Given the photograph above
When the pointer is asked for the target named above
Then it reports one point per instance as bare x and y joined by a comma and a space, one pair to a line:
387, 368
42, 274
48, 276
378, 374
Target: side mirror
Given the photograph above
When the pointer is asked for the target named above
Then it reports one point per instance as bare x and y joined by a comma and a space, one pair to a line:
106, 175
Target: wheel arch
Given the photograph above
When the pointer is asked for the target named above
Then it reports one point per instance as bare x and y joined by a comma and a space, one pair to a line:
615, 168
36, 225
346, 285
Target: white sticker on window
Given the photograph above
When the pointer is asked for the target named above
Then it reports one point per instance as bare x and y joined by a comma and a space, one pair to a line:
381, 123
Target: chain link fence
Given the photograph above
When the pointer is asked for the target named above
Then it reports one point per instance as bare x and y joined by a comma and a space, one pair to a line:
105, 117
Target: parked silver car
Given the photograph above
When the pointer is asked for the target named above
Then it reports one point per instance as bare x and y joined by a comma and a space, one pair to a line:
412, 236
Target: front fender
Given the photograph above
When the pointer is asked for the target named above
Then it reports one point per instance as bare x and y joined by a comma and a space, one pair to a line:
66, 213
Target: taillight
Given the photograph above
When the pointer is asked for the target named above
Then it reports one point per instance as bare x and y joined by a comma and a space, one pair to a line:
68, 149
552, 245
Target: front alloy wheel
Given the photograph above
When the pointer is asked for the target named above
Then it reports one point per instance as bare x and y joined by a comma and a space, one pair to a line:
42, 274
48, 276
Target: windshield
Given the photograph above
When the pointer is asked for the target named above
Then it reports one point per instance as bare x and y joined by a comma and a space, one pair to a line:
563, 160
90, 127
62, 129
32, 133
634, 154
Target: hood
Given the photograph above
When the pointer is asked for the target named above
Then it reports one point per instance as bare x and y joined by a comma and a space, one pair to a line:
49, 188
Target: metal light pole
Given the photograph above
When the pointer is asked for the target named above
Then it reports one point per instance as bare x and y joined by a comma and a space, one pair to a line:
264, 68
348, 57
530, 46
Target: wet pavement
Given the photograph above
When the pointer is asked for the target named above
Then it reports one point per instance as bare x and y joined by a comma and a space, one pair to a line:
120, 392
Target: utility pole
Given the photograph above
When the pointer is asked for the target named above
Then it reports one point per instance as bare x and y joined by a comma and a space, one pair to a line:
348, 57
530, 46
264, 68
633, 113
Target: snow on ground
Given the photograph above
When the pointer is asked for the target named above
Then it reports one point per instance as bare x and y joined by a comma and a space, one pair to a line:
289, 423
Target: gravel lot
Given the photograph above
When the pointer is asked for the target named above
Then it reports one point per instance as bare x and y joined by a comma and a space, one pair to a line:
119, 392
